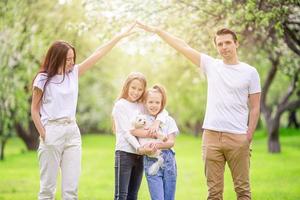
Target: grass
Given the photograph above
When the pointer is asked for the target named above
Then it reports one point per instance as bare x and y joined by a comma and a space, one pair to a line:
273, 176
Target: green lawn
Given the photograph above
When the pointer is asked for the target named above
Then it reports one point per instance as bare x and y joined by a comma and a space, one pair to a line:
272, 176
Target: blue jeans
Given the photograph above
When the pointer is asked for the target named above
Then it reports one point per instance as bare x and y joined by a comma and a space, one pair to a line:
128, 175
162, 185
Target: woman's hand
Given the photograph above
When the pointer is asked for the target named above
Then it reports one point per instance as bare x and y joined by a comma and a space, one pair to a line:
104, 49
127, 31
154, 128
147, 149
150, 29
43, 135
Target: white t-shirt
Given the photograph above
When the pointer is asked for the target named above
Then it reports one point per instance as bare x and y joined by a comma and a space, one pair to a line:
60, 95
124, 114
167, 128
229, 87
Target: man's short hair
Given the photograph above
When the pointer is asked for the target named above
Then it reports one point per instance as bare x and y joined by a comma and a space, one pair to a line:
225, 31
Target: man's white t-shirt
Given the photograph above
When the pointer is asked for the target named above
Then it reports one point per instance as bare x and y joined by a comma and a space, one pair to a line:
229, 87
60, 95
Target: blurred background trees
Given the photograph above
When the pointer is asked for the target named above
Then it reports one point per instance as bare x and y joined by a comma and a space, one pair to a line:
268, 32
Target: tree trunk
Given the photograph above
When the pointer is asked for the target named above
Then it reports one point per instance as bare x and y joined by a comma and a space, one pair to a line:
273, 136
292, 121
197, 128
30, 137
3, 142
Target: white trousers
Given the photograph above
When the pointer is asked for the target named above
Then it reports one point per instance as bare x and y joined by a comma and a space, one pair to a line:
61, 150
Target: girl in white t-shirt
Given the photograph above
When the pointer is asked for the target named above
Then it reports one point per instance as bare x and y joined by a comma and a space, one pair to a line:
128, 158
162, 184
53, 108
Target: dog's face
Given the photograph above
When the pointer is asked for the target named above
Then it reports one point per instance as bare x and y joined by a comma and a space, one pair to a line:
140, 121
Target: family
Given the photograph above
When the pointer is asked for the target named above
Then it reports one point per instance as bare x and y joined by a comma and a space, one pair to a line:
145, 132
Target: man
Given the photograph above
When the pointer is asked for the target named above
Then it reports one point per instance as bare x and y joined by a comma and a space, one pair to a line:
232, 110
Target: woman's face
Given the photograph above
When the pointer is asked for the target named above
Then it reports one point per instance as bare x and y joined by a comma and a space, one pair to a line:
135, 90
70, 60
153, 103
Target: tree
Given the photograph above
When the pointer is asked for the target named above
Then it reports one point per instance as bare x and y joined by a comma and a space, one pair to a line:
278, 25
269, 33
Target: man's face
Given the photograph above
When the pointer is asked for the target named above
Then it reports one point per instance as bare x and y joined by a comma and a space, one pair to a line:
226, 46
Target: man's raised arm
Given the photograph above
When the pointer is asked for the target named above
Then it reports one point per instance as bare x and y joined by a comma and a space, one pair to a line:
175, 42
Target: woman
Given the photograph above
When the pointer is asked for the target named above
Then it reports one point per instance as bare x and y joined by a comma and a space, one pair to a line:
53, 108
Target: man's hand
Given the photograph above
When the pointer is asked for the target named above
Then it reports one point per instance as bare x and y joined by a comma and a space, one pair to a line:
150, 29
249, 136
127, 31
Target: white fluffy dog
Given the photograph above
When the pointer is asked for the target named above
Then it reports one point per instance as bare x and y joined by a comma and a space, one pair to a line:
140, 123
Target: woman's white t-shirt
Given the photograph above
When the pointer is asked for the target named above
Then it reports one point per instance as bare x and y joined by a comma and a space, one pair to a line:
60, 95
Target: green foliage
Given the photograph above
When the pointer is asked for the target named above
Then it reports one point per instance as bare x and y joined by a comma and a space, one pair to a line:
28, 28
25, 35
97, 177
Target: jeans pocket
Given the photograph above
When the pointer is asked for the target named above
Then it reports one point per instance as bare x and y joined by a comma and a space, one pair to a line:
171, 168
47, 134
148, 162
170, 164
51, 134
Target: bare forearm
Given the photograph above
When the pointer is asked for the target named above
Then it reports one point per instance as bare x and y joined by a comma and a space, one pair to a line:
181, 46
253, 119
140, 133
173, 41
165, 145
103, 50
132, 140
98, 54
37, 122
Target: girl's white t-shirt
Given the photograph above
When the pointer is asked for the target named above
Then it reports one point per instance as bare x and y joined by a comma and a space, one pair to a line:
229, 87
124, 115
60, 95
167, 128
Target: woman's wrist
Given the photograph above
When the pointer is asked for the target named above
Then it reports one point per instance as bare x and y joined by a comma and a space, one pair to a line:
156, 30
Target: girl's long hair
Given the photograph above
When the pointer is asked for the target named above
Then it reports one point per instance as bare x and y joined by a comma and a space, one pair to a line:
124, 92
133, 76
55, 58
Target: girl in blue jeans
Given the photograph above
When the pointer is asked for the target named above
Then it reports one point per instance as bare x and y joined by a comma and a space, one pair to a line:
162, 185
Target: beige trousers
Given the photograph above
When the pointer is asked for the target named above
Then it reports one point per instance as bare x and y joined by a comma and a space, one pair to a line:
61, 151
219, 148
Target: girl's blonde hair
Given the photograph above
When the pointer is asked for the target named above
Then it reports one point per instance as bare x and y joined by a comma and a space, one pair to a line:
133, 76
157, 89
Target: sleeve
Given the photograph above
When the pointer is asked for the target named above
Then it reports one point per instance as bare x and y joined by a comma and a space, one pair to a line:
254, 86
163, 116
75, 70
205, 61
40, 81
172, 127
123, 125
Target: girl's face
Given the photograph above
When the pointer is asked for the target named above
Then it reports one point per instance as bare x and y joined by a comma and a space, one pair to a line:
153, 103
135, 90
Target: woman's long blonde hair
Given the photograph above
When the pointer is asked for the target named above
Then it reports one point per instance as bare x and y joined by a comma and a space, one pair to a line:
133, 76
